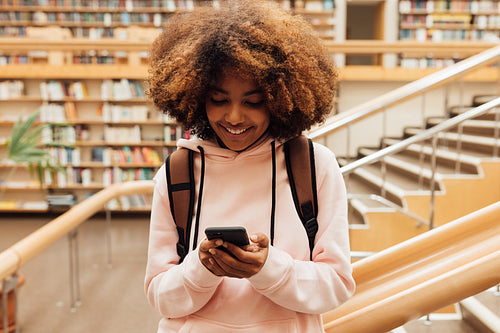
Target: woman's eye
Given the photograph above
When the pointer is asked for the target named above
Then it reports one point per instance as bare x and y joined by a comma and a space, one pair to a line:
255, 104
218, 101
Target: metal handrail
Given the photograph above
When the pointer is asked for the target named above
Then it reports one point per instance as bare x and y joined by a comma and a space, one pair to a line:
403, 93
427, 134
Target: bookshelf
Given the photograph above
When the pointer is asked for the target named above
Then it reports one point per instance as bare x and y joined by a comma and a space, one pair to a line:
97, 19
101, 131
446, 21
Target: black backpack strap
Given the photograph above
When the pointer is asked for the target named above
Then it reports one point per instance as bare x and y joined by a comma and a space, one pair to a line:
181, 193
301, 169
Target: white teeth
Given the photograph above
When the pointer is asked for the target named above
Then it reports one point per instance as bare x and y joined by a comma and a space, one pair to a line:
236, 131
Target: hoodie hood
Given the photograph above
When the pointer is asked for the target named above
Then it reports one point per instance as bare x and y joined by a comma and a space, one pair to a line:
214, 151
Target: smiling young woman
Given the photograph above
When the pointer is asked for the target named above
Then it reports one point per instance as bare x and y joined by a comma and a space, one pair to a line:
244, 79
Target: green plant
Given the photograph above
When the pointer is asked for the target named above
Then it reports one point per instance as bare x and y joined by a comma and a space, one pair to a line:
24, 148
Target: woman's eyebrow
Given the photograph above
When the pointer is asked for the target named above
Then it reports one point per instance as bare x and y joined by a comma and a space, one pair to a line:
251, 92
248, 93
219, 90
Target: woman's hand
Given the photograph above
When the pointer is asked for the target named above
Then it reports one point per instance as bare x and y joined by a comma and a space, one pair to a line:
234, 261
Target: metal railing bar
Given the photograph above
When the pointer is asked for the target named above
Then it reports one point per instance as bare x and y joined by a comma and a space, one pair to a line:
409, 90
427, 134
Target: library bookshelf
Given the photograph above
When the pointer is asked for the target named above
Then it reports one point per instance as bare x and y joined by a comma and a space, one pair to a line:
446, 21
101, 131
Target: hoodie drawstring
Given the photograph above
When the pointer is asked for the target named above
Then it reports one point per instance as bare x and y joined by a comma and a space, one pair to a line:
200, 192
273, 200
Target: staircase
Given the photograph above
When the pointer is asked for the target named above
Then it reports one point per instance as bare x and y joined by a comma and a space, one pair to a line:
390, 200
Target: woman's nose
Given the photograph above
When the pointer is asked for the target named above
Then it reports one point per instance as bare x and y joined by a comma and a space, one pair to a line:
234, 115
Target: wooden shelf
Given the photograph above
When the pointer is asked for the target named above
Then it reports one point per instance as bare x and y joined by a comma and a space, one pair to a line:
82, 72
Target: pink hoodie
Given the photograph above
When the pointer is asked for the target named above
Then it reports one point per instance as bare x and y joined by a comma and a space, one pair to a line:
290, 292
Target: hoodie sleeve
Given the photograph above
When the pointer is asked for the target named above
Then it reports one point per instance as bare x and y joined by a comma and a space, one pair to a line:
175, 290
326, 282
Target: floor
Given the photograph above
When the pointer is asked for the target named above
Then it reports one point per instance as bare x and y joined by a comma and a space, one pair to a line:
112, 299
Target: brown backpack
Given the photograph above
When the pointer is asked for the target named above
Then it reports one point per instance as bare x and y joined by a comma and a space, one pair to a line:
300, 166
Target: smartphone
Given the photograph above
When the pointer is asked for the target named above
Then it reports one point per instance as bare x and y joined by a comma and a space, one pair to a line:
235, 235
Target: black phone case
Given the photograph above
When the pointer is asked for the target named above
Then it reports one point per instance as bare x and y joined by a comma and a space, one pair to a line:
235, 235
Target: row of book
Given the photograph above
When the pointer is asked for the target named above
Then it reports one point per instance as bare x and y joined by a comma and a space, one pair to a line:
88, 59
122, 134
122, 113
126, 203
65, 155
69, 156
96, 18
438, 35
122, 89
57, 112
125, 154
58, 90
117, 175
63, 135
11, 89
427, 62
458, 21
110, 113
172, 133
74, 176
61, 200
128, 5
430, 6
14, 59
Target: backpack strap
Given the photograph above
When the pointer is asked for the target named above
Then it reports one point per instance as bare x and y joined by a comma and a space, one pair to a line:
181, 193
301, 169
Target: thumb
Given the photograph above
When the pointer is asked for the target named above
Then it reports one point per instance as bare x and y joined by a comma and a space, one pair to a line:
261, 239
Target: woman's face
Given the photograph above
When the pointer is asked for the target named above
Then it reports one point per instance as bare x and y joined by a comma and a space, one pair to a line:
237, 111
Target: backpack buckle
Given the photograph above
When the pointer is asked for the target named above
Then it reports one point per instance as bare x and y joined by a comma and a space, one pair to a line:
311, 226
181, 251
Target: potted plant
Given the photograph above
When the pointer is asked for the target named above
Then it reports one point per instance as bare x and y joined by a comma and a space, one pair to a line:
24, 148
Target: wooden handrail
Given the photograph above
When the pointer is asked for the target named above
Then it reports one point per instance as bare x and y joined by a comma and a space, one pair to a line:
399, 95
422, 274
29, 247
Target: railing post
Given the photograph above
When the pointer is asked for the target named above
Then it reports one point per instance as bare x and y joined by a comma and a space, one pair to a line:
433, 181
74, 271
108, 237
348, 141
459, 147
383, 164
9, 285
496, 133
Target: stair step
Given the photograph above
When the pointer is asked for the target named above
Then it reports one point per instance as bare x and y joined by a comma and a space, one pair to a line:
473, 126
457, 110
404, 173
438, 326
470, 143
481, 99
369, 182
478, 315
468, 164
491, 299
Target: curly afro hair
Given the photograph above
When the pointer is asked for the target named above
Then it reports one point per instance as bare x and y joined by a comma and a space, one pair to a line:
280, 52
